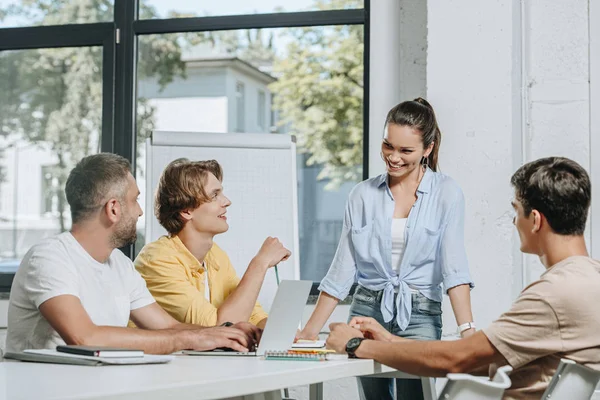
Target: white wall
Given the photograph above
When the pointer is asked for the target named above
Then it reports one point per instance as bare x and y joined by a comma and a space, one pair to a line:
398, 54
556, 75
470, 83
480, 56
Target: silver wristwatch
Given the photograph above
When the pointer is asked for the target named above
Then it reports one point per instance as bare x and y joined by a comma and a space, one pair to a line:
465, 326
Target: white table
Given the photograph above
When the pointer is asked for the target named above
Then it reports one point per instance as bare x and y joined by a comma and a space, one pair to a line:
186, 377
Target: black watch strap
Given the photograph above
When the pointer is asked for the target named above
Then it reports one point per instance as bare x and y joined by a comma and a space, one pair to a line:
352, 346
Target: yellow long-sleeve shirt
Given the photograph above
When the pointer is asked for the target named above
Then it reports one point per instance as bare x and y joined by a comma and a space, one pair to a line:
176, 280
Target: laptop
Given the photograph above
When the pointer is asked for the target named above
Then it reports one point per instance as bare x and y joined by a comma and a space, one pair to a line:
284, 318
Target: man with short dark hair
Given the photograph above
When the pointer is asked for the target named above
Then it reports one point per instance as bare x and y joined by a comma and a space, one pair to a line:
555, 317
78, 288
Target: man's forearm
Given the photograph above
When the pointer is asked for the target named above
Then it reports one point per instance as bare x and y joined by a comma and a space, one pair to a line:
412, 357
163, 341
239, 304
432, 358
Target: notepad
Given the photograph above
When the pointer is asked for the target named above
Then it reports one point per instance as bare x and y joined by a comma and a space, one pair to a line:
55, 357
100, 351
310, 344
292, 355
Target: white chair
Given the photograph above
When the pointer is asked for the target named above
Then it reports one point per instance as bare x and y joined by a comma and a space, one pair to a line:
469, 387
572, 381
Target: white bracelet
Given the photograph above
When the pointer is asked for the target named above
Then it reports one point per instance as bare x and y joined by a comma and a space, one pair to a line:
466, 326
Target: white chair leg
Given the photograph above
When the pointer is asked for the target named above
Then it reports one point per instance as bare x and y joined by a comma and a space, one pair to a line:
316, 391
429, 392
274, 395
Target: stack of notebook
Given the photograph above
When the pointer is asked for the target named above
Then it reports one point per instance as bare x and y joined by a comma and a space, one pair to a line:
88, 355
306, 350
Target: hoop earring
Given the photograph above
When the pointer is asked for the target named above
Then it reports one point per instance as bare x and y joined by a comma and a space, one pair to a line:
425, 161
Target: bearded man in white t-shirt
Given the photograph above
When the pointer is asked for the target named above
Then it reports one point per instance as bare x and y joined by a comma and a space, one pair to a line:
78, 288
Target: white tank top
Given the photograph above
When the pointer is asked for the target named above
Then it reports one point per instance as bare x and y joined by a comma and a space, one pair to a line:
398, 242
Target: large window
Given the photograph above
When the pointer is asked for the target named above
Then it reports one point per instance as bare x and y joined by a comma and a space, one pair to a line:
187, 8
67, 89
314, 75
51, 102
18, 13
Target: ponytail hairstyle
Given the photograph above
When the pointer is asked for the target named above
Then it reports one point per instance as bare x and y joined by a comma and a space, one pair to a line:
418, 114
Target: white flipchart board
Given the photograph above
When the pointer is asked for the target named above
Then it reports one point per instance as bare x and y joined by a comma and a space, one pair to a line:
259, 177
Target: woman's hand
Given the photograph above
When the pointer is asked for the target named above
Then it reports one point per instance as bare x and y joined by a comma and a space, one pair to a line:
306, 335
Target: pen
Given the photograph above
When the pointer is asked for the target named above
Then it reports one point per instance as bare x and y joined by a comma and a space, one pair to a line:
277, 274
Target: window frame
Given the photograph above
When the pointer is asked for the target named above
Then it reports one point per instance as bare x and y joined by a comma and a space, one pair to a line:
119, 40
75, 35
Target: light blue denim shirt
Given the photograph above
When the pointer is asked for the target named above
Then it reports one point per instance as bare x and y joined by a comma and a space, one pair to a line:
434, 254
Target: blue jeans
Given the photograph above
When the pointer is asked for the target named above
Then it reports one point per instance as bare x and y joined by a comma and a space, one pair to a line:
425, 324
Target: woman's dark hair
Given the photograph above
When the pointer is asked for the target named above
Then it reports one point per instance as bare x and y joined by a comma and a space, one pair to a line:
418, 114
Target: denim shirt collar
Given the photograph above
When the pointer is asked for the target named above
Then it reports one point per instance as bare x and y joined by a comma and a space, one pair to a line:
424, 186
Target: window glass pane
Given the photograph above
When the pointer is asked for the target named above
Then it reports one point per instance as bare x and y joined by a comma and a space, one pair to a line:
195, 8
50, 117
240, 108
16, 13
307, 81
261, 109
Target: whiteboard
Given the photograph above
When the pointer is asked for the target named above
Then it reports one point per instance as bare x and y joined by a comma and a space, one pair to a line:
259, 177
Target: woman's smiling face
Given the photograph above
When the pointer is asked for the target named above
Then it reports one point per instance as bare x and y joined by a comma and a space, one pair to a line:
402, 149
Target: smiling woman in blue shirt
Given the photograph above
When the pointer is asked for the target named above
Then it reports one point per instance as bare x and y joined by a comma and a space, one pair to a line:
403, 241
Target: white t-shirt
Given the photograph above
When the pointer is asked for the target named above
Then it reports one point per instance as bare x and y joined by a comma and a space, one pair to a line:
59, 266
206, 288
398, 242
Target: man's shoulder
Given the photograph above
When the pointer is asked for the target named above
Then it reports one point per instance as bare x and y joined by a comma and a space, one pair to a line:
161, 248
573, 272
51, 248
566, 283
119, 258
217, 253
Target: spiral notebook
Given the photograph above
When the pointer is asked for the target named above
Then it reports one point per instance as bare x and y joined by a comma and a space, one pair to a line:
55, 357
292, 355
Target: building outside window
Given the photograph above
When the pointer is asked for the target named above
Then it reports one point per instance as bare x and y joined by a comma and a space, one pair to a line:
240, 107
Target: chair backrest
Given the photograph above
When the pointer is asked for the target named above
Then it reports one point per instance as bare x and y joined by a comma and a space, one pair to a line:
572, 381
469, 387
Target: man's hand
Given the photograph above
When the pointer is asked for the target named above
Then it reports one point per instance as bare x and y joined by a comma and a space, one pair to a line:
272, 252
371, 329
253, 334
339, 336
212, 338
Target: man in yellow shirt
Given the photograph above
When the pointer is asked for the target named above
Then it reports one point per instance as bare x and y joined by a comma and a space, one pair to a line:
186, 272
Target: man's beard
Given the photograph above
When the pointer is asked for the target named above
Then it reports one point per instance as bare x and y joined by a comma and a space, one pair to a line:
125, 234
